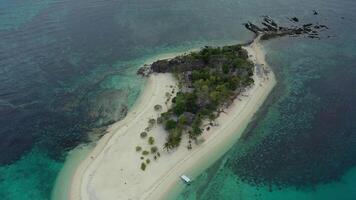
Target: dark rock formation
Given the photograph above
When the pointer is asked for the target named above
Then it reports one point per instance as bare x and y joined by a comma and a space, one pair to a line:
270, 29
295, 19
252, 27
144, 71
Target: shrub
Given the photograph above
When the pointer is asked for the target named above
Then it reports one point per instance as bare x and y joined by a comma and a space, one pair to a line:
182, 120
154, 149
143, 166
158, 107
143, 134
138, 148
159, 120
151, 140
212, 116
170, 124
151, 122
197, 130
145, 152
142, 158
158, 154
148, 161
225, 69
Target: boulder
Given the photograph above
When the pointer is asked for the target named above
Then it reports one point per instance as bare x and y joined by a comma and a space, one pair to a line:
295, 19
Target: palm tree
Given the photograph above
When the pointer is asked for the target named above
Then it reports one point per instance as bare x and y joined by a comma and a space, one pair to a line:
167, 146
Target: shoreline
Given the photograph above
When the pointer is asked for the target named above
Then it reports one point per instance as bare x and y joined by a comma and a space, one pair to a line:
191, 162
78, 158
231, 135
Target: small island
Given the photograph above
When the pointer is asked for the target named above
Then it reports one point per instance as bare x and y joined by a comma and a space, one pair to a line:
193, 109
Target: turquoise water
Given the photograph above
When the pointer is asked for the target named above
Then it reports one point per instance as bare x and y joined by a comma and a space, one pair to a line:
67, 67
225, 185
302, 145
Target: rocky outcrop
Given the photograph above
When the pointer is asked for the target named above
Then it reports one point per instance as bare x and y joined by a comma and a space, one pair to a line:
144, 71
270, 29
294, 19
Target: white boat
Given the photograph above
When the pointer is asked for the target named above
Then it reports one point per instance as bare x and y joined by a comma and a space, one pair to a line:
186, 179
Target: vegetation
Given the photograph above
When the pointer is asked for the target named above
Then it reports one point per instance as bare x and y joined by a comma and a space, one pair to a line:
138, 148
222, 73
151, 140
159, 120
170, 124
154, 149
158, 107
145, 152
151, 122
143, 134
148, 161
143, 166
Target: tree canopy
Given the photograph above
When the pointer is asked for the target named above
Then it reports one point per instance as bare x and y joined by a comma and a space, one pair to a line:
226, 70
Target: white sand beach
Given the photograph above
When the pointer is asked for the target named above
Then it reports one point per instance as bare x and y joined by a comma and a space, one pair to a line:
112, 170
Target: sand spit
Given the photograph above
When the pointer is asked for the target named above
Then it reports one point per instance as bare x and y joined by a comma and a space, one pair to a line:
112, 170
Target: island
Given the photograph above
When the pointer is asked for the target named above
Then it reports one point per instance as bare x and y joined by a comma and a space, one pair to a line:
193, 109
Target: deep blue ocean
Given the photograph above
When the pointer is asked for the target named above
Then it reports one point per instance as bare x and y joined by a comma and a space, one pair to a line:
68, 69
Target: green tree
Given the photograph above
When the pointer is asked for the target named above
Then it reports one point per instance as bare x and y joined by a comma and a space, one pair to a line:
152, 122
151, 140
158, 107
143, 134
167, 146
170, 124
226, 69
143, 166
154, 149
197, 130
182, 120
